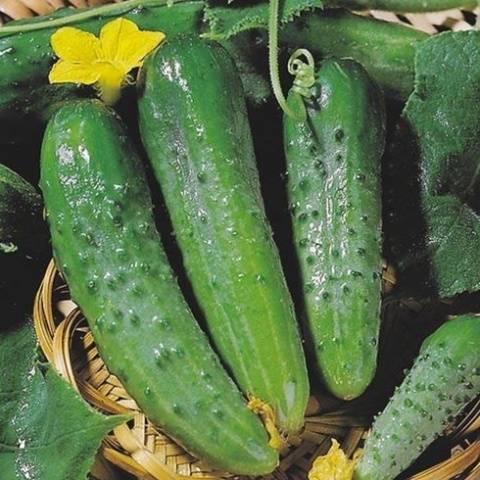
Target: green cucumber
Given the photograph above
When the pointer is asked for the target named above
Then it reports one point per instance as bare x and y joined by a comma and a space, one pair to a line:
106, 246
407, 6
443, 380
333, 161
195, 129
21, 223
385, 49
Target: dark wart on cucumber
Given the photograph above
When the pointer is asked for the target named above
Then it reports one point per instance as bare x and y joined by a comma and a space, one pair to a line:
106, 246
195, 129
443, 380
333, 160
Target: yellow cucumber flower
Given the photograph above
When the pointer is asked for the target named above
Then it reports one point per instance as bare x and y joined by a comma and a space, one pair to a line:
335, 465
268, 416
103, 61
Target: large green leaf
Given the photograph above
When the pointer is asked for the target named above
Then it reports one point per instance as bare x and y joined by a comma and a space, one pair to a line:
443, 115
47, 432
228, 20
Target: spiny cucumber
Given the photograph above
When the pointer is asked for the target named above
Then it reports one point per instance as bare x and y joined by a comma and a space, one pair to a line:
443, 380
106, 246
195, 129
333, 161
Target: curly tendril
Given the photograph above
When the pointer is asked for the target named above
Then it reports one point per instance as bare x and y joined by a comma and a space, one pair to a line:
304, 73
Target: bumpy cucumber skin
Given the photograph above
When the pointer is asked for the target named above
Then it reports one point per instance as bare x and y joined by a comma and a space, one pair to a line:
385, 49
333, 161
106, 246
26, 59
195, 129
444, 379
20, 212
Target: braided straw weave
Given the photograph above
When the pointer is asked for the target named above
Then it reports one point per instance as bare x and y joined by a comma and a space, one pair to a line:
139, 448
142, 450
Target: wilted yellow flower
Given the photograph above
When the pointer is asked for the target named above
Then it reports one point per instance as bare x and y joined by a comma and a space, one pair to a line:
268, 417
335, 465
103, 61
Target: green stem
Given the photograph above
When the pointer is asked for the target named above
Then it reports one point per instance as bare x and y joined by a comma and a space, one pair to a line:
84, 14
273, 58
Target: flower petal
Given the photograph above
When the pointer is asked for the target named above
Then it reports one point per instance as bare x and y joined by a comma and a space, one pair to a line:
75, 45
68, 72
125, 45
334, 465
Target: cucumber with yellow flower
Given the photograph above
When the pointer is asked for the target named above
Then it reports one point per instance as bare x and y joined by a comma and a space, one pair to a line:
443, 379
99, 213
194, 126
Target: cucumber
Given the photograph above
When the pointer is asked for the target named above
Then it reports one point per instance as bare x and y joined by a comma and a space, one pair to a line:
21, 223
106, 245
443, 380
407, 6
195, 129
333, 161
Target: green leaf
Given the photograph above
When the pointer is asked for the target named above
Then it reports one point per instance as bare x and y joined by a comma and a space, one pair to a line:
250, 57
47, 432
443, 114
228, 20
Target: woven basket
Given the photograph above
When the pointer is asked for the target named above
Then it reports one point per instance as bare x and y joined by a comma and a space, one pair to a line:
140, 449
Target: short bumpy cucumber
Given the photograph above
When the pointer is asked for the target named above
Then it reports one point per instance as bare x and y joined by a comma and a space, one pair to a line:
21, 224
195, 129
106, 245
444, 379
333, 160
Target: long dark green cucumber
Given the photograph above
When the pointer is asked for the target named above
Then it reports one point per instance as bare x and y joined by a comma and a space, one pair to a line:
443, 380
26, 58
407, 6
333, 161
21, 224
385, 49
106, 245
195, 129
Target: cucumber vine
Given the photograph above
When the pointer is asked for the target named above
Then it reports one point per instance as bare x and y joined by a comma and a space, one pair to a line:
84, 14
